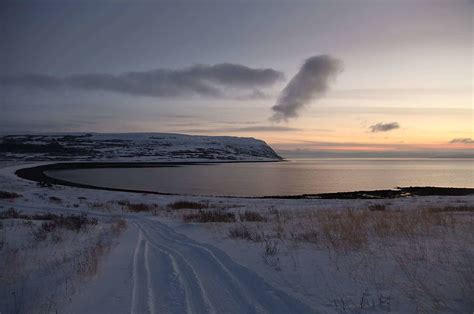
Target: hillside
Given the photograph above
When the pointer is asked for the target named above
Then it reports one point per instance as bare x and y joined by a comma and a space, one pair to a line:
132, 147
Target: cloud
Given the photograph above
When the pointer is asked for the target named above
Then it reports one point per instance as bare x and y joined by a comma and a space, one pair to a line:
466, 140
384, 127
203, 80
310, 83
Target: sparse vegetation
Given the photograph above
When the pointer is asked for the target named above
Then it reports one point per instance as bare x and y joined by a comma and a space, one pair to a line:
55, 199
452, 209
12, 213
270, 254
39, 250
118, 226
88, 262
377, 208
204, 216
9, 195
401, 246
242, 231
74, 223
139, 207
188, 205
251, 216
350, 229
344, 230
51, 222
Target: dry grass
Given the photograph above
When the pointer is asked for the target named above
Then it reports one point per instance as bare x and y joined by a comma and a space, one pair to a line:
353, 229
63, 257
51, 223
9, 195
251, 216
74, 223
421, 257
70, 222
206, 216
346, 230
12, 213
377, 207
270, 254
424, 254
188, 205
338, 230
139, 207
118, 226
55, 199
107, 206
452, 209
242, 231
89, 261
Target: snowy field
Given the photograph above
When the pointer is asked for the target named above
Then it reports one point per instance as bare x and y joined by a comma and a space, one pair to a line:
160, 254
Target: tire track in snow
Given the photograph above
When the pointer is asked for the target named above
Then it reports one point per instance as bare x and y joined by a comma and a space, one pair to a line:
151, 298
176, 270
202, 272
230, 287
135, 273
142, 292
240, 288
188, 277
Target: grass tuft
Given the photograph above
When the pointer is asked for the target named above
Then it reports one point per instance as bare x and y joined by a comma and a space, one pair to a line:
137, 207
9, 195
188, 205
118, 226
203, 216
251, 216
377, 208
55, 199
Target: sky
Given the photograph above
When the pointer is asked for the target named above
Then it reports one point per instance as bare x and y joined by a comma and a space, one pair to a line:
325, 78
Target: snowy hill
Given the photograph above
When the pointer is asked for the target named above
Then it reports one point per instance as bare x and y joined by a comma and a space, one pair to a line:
132, 147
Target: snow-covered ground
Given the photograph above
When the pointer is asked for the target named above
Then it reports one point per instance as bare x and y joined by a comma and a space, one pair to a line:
133, 147
295, 256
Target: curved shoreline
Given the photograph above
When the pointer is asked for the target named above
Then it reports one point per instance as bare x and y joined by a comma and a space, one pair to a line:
37, 174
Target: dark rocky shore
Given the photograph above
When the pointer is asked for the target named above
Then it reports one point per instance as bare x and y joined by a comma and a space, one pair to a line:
384, 194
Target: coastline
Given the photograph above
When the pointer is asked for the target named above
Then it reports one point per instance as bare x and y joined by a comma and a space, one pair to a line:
37, 174
297, 229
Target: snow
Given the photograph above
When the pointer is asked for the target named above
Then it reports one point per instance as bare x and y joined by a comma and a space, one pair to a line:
133, 147
36, 273
161, 264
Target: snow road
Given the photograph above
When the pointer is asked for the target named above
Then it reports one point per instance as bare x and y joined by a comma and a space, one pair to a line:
156, 270
173, 274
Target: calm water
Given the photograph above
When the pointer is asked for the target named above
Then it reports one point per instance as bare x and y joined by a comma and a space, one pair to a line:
297, 176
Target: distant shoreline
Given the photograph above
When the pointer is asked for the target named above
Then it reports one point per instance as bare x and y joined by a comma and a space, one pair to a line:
37, 174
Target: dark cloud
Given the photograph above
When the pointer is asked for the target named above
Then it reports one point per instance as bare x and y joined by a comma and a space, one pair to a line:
202, 80
310, 83
384, 127
465, 140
